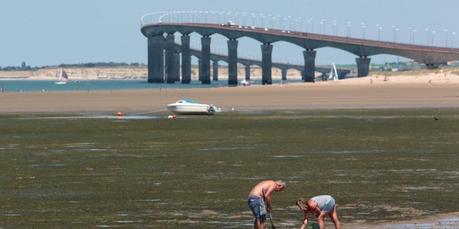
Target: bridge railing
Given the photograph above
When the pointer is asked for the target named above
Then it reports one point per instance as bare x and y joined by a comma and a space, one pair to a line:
270, 21
231, 18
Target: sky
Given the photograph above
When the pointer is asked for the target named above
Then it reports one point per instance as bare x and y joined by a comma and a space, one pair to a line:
52, 32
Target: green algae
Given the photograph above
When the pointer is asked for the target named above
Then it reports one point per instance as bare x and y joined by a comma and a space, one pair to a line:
196, 171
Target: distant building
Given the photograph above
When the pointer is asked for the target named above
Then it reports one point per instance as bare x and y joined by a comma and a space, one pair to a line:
400, 66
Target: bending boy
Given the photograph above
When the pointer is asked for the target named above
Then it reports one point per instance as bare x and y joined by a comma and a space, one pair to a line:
322, 206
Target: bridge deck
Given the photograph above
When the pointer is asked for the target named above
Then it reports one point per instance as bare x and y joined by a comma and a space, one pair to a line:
359, 47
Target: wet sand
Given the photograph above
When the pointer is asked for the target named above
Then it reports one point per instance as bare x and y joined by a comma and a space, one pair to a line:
364, 93
441, 221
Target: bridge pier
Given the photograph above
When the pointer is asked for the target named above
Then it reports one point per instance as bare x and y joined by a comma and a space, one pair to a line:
266, 63
205, 56
232, 61
215, 70
342, 75
284, 73
156, 59
247, 72
363, 66
186, 59
170, 59
176, 68
200, 69
432, 66
309, 65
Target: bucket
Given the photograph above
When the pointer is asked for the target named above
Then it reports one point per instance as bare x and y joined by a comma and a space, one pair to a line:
314, 225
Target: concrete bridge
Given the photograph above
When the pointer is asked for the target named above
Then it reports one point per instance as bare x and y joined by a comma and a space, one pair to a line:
247, 62
431, 56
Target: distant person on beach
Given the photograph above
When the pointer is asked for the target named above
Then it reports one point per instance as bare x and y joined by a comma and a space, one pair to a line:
260, 200
321, 206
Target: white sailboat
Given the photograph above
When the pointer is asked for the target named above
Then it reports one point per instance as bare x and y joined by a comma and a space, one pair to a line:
63, 77
333, 73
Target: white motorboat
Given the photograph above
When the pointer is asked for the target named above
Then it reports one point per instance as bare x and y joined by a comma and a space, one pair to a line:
188, 106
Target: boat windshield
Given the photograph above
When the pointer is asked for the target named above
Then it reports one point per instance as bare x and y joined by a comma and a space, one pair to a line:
187, 101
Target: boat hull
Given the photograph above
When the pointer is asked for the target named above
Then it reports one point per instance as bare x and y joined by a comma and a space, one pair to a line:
194, 109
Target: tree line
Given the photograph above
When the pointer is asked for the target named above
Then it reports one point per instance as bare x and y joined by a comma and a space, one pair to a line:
25, 67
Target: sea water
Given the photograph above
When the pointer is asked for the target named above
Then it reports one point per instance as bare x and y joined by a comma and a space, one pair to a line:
91, 85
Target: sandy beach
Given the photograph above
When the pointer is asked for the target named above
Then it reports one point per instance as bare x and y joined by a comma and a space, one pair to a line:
435, 90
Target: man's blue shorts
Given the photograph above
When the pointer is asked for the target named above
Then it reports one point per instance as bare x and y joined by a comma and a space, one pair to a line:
258, 207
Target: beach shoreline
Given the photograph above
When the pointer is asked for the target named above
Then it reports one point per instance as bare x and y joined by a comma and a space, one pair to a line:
374, 92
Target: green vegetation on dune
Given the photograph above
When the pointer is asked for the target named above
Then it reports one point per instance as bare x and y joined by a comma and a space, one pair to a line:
379, 165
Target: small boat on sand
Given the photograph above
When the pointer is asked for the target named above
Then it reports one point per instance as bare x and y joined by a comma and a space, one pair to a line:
246, 83
190, 107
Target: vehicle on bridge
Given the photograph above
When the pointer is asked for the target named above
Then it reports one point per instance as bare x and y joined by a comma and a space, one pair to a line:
230, 24
191, 107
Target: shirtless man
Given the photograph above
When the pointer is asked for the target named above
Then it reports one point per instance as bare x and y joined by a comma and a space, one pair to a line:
260, 200
322, 206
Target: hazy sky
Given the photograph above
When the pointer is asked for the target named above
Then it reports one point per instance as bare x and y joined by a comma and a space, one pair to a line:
49, 32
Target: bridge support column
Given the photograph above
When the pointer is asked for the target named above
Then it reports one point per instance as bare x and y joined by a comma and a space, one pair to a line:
156, 59
342, 75
170, 59
186, 59
232, 61
215, 70
363, 66
205, 65
247, 72
432, 66
266, 63
309, 65
284, 73
176, 68
200, 76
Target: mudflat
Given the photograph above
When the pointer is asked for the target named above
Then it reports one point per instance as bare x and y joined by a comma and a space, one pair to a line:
382, 166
